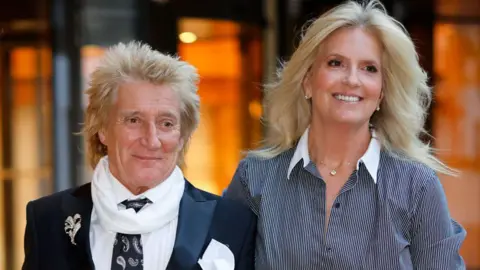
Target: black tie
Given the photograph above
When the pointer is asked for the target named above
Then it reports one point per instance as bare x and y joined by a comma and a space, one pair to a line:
127, 248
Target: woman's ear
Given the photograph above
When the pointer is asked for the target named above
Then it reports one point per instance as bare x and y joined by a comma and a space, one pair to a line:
380, 99
102, 137
307, 89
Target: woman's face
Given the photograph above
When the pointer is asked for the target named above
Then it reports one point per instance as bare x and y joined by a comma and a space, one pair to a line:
345, 81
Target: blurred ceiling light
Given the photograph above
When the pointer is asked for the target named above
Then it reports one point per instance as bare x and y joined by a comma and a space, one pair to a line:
187, 37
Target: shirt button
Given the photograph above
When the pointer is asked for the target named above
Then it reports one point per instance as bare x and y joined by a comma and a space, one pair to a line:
337, 205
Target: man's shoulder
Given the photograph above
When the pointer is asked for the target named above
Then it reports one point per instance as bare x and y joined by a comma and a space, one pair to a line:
53, 201
224, 205
233, 223
207, 195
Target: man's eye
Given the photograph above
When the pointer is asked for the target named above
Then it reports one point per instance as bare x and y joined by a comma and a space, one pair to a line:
168, 124
133, 120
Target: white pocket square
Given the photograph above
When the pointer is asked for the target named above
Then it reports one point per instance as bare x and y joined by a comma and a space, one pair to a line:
217, 256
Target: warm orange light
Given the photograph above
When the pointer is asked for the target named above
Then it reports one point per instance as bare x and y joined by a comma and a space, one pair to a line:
255, 109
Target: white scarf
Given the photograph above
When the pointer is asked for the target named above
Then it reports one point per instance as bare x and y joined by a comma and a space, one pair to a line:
127, 221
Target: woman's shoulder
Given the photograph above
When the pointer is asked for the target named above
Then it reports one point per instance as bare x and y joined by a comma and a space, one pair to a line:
253, 173
257, 163
406, 170
409, 184
254, 169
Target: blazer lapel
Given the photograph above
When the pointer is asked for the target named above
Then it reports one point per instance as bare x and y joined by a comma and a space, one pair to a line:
79, 202
194, 220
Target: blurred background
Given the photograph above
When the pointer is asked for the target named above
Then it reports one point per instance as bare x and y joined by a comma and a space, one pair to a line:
49, 47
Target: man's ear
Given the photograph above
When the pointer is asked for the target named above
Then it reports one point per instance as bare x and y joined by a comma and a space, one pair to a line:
181, 144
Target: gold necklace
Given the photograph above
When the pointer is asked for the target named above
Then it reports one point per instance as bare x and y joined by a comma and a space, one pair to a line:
334, 171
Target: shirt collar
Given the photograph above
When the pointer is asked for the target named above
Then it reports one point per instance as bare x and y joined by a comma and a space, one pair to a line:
371, 158
154, 194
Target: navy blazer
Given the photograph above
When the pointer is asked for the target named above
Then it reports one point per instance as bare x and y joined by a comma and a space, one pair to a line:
202, 217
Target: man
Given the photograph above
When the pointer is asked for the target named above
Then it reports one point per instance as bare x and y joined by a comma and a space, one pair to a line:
139, 212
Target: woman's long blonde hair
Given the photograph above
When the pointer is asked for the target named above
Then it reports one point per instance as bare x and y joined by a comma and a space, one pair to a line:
407, 96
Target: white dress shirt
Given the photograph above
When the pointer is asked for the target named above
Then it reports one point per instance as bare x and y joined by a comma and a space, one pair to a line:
157, 245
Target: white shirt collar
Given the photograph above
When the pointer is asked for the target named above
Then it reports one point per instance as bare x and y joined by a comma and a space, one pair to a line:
153, 194
371, 158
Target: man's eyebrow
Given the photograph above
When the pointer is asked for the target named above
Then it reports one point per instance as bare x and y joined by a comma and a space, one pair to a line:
129, 113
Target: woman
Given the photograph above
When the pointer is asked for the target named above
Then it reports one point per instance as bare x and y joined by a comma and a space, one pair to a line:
139, 212
344, 181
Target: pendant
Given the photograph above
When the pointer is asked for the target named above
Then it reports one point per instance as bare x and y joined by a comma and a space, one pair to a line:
333, 172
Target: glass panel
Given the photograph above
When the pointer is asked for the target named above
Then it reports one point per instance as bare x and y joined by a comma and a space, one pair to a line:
90, 59
457, 125
460, 8
3, 247
228, 58
29, 176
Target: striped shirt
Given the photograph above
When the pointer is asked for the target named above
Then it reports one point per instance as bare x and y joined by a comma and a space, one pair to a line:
392, 215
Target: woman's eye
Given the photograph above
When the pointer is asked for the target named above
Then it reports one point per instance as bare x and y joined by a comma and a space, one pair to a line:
371, 69
334, 63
